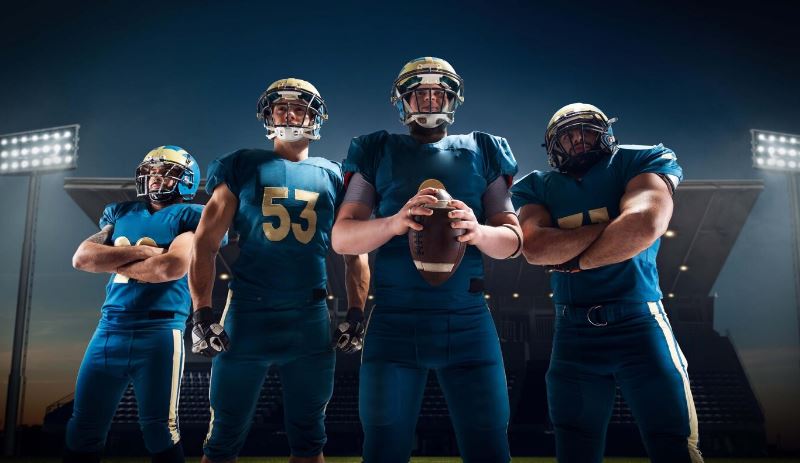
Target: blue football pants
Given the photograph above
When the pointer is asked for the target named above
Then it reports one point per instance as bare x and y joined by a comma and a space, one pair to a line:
630, 345
400, 347
298, 343
153, 360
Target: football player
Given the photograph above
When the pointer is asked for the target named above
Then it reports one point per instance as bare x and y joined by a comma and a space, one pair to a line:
416, 327
281, 202
146, 246
595, 221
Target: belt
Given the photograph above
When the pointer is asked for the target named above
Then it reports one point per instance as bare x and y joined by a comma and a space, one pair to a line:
601, 314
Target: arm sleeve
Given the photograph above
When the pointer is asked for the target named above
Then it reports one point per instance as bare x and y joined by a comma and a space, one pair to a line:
223, 170
497, 198
360, 191
657, 160
528, 190
109, 216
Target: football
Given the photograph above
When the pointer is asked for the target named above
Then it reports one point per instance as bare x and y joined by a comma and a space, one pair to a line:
435, 249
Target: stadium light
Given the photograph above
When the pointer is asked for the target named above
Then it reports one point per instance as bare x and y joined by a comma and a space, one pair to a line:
45, 150
32, 154
777, 151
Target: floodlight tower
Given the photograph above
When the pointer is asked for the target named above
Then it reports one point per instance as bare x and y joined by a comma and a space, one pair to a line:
780, 152
31, 154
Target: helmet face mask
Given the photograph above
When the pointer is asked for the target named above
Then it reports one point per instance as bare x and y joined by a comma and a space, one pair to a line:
293, 97
166, 174
577, 137
427, 92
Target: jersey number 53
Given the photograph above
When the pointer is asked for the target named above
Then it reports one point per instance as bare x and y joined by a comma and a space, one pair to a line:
270, 209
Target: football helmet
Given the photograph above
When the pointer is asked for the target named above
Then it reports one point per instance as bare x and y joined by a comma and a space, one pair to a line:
299, 97
177, 170
561, 134
431, 79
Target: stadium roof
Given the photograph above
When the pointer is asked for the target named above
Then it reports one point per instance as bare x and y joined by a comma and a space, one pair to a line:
707, 220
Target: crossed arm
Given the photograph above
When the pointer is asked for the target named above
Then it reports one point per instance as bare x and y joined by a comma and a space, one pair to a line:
96, 256
144, 263
645, 211
169, 266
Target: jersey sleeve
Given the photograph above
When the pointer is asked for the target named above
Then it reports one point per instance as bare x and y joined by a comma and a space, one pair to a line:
223, 170
528, 190
363, 155
655, 160
190, 217
498, 157
109, 216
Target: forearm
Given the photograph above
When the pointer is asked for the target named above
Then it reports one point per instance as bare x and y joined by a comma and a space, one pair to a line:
357, 276
499, 242
201, 276
553, 246
628, 235
353, 236
156, 269
98, 258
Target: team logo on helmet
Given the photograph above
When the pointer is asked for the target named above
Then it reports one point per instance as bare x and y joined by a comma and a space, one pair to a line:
292, 109
577, 136
167, 173
427, 91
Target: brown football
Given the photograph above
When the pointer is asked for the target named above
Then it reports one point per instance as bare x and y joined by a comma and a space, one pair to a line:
435, 250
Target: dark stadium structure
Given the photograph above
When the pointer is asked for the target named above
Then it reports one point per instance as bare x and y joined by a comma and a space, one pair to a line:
707, 220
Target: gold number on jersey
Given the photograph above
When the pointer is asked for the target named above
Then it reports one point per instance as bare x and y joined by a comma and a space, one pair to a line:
269, 209
121, 241
599, 215
308, 213
275, 210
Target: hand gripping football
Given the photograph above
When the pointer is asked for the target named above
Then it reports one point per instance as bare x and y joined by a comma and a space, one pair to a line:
436, 250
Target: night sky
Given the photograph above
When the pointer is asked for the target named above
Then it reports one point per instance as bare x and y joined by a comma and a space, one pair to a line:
136, 75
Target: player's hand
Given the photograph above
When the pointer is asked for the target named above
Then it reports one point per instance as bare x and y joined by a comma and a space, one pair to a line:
150, 247
351, 331
208, 337
473, 232
404, 219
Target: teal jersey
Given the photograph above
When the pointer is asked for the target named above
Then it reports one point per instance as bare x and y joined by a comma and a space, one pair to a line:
396, 165
284, 220
595, 198
132, 222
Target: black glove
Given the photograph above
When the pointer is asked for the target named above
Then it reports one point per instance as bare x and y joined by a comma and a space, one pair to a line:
351, 331
208, 337
571, 266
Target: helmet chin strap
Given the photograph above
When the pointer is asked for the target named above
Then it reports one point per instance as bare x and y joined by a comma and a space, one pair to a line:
290, 134
429, 120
